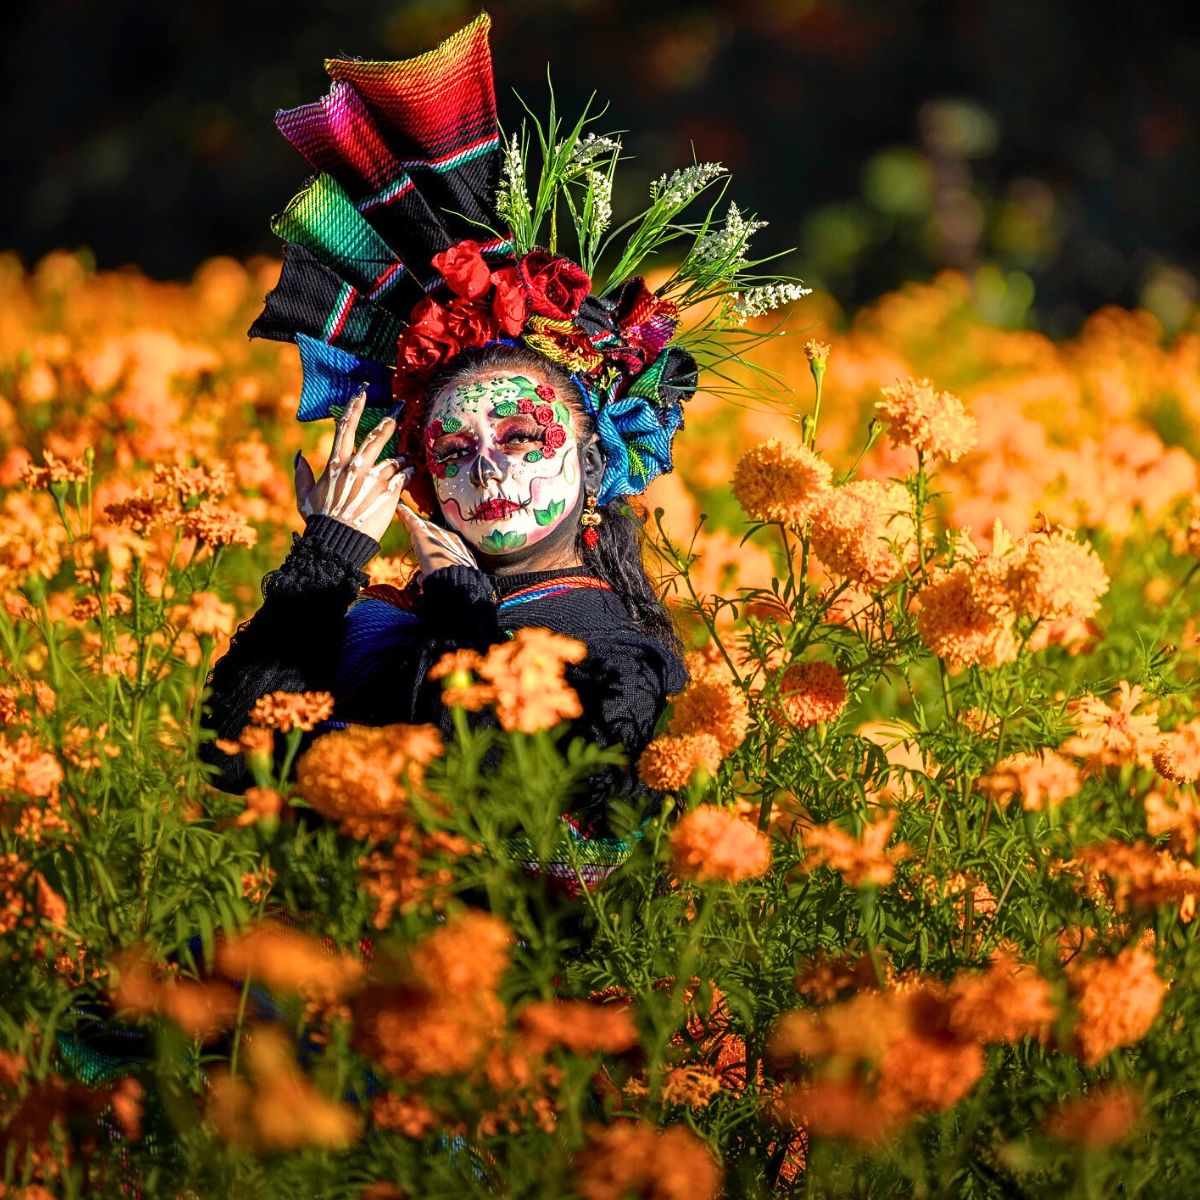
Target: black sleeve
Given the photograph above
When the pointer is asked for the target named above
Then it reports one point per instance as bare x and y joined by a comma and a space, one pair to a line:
291, 643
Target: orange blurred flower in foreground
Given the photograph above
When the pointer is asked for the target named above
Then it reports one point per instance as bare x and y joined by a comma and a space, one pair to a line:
1116, 1000
1097, 1120
1138, 874
810, 692
282, 1109
286, 711
632, 1158
933, 423
714, 845
1040, 780
859, 860
781, 481
288, 960
579, 1026
201, 1010
1007, 1002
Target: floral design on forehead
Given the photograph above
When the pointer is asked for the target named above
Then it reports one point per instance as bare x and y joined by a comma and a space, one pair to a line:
420, 238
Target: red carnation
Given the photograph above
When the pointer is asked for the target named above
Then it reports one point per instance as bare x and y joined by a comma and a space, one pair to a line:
470, 324
545, 391
525, 405
556, 436
464, 270
543, 414
556, 285
510, 305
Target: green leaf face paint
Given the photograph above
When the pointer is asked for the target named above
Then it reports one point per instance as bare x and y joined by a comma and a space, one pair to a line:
504, 459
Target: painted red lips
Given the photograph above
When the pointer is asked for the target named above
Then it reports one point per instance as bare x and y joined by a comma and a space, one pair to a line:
495, 510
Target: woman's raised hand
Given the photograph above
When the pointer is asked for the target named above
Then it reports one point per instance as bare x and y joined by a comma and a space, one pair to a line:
434, 546
354, 487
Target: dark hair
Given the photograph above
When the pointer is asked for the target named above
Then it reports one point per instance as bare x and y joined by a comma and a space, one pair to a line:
617, 556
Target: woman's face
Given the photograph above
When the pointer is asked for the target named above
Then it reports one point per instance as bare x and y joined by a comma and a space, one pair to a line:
504, 459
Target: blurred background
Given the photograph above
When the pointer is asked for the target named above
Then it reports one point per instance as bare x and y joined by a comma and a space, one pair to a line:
1049, 150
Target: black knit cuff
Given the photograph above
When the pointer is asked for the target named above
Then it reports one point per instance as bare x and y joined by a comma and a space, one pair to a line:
459, 603
342, 540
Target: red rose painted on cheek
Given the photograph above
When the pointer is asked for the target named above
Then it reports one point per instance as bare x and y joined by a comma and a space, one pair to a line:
556, 436
464, 270
556, 286
543, 414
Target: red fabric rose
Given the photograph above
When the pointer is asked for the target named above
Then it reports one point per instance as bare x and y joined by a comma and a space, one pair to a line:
556, 436
525, 405
510, 305
470, 324
556, 285
543, 414
464, 270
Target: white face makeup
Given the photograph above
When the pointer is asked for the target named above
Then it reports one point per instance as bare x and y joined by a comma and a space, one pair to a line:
504, 459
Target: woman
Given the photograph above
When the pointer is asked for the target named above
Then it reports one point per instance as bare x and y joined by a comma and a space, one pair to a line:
507, 546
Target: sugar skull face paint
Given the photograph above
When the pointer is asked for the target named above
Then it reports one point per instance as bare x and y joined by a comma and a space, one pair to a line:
504, 459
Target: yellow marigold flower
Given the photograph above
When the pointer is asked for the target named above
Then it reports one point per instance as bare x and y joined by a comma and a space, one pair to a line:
1177, 757
526, 675
713, 845
810, 692
858, 860
1116, 1000
933, 423
668, 763
1097, 1120
1040, 780
1006, 1003
363, 776
865, 532
291, 710
713, 705
781, 481
635, 1158
579, 1026
1057, 578
959, 621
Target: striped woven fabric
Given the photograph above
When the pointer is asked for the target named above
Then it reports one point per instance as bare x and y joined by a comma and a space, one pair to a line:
556, 587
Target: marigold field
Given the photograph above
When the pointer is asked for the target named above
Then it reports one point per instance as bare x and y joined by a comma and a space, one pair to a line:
918, 919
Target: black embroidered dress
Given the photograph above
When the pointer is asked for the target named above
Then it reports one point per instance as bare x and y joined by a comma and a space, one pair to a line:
314, 633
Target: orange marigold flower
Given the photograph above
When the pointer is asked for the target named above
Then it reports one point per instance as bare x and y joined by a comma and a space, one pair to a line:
1100, 1119
291, 710
714, 845
810, 692
206, 615
859, 861
409, 1116
690, 1087
56, 470
1116, 1000
928, 1071
1118, 730
1007, 1002
712, 705
846, 1109
142, 512
200, 1010
1177, 757
1057, 578
27, 766
578, 1025
288, 960
859, 1028
634, 1158
1041, 780
261, 805
961, 623
455, 661
933, 423
781, 481
191, 482
1174, 811
363, 776
282, 1109
526, 675
865, 532
1137, 875
468, 953
670, 763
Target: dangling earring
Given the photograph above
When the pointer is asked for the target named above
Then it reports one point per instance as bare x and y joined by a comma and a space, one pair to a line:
590, 519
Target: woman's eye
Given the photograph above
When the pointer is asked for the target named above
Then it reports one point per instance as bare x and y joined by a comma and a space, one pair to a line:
447, 454
522, 435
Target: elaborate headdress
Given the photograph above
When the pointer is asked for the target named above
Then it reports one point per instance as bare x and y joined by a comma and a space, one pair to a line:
419, 238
